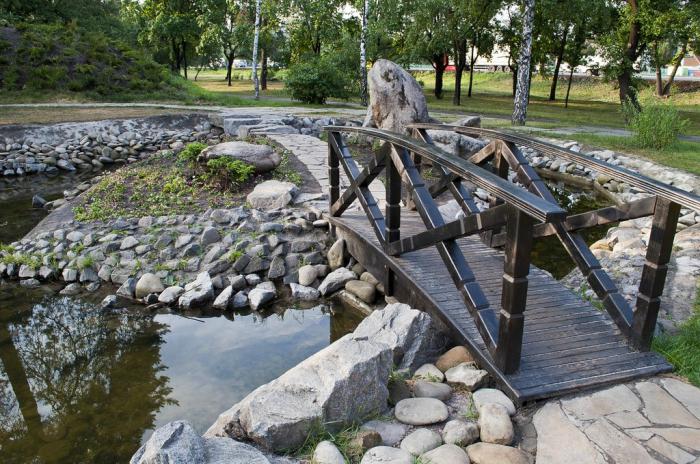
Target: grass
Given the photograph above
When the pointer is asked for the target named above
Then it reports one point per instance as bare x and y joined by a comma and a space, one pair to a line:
682, 154
76, 114
683, 349
342, 440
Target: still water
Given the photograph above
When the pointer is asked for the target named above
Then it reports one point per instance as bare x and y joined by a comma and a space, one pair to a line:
81, 384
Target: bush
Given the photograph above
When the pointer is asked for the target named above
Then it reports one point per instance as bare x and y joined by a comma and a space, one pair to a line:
190, 153
316, 79
656, 125
227, 171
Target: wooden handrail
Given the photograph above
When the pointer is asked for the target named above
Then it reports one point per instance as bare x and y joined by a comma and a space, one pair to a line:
524, 201
665, 191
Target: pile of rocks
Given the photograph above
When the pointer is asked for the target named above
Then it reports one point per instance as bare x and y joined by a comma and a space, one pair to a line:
95, 145
242, 126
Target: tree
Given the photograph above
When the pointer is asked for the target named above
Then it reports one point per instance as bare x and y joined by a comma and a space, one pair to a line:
255, 50
364, 97
509, 30
523, 85
313, 23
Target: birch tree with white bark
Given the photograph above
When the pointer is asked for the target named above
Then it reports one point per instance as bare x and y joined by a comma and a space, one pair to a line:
364, 91
522, 91
256, 39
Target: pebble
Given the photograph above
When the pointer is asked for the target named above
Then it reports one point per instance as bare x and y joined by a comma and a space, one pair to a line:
466, 375
327, 453
421, 441
421, 411
425, 389
491, 395
495, 425
459, 432
429, 372
445, 454
387, 455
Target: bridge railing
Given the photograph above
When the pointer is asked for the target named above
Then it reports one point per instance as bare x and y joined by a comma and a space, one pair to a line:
502, 154
518, 213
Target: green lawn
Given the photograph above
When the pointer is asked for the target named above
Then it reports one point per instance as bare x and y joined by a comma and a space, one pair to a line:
683, 349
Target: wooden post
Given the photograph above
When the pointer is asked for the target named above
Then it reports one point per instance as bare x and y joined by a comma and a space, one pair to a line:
393, 217
663, 229
514, 295
500, 167
333, 174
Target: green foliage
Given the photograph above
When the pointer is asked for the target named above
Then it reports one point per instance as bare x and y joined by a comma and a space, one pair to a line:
683, 349
286, 173
315, 79
234, 255
656, 125
342, 440
190, 153
226, 171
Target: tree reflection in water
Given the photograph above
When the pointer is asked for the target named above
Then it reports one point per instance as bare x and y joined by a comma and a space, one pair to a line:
77, 384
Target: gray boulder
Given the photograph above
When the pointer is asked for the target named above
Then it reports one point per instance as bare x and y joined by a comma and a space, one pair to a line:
147, 284
170, 294
395, 98
272, 194
261, 294
197, 293
262, 157
336, 280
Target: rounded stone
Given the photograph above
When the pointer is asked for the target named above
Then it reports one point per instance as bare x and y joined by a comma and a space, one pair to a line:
391, 432
363, 290
445, 454
460, 433
262, 157
386, 455
307, 275
421, 411
327, 453
453, 357
489, 453
421, 441
495, 425
429, 372
147, 284
425, 389
466, 375
490, 395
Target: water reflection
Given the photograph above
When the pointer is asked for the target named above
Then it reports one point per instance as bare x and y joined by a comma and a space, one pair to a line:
78, 384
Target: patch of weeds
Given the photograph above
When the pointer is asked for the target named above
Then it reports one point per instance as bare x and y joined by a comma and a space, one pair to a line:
19, 259
683, 348
190, 153
234, 255
286, 173
471, 413
593, 300
79, 248
160, 267
226, 172
6, 248
342, 440
182, 265
429, 378
86, 263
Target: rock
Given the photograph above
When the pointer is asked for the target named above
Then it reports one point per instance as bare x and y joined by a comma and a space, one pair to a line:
209, 235
568, 444
339, 385
453, 358
197, 293
30, 283
170, 294
363, 441
391, 432
409, 332
460, 433
490, 395
489, 453
445, 454
307, 275
429, 372
75, 236
69, 275
466, 375
262, 157
363, 290
336, 280
421, 411
421, 441
38, 202
261, 294
336, 254
222, 301
147, 284
327, 453
469, 121
272, 194
495, 425
387, 455
301, 292
425, 389
174, 443
240, 300
395, 98
128, 243
227, 451
398, 390
128, 288
277, 268
110, 301
71, 289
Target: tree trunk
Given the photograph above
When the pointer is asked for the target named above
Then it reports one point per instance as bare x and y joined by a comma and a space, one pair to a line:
677, 60
175, 61
557, 66
364, 92
263, 69
460, 64
439, 65
256, 38
523, 85
624, 78
657, 70
229, 67
568, 87
184, 56
472, 62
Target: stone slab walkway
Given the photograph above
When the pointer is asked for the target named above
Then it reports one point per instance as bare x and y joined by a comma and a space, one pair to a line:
313, 152
651, 421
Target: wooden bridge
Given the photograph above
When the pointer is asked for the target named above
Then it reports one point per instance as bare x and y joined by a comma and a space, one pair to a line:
537, 338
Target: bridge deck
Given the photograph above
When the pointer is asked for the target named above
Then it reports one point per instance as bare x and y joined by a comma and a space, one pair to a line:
568, 344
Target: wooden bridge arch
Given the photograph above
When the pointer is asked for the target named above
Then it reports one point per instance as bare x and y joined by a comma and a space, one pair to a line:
542, 340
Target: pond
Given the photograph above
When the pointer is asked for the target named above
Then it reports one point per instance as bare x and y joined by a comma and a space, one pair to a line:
81, 384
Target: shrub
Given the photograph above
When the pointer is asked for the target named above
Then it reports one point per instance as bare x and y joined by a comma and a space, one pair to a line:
316, 79
656, 125
227, 171
191, 152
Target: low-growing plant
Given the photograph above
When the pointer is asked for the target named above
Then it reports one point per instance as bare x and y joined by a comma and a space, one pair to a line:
657, 125
190, 153
315, 79
284, 172
234, 255
227, 172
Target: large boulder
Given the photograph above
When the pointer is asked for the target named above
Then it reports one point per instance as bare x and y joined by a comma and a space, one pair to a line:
177, 443
395, 98
411, 334
197, 293
262, 157
272, 194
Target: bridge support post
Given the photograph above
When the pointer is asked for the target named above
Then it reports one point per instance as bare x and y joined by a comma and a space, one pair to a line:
393, 217
333, 176
663, 230
513, 299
